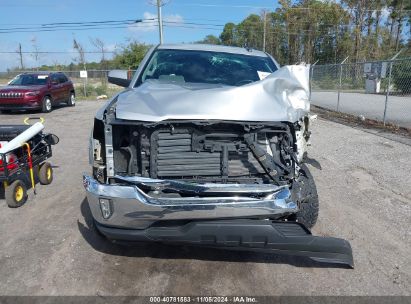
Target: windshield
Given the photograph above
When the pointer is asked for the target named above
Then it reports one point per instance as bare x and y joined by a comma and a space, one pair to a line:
207, 67
28, 80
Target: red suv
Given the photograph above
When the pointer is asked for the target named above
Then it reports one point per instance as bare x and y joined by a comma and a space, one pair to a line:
37, 91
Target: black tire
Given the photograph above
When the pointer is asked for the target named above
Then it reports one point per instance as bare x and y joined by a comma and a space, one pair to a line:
16, 194
72, 100
45, 174
5, 111
46, 104
304, 193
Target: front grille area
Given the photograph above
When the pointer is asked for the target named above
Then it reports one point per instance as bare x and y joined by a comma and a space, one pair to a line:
174, 157
204, 151
177, 155
243, 164
11, 95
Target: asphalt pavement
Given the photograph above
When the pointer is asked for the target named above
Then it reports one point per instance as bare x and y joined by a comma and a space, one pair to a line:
48, 246
369, 105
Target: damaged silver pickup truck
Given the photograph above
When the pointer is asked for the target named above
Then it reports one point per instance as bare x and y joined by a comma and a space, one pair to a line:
206, 146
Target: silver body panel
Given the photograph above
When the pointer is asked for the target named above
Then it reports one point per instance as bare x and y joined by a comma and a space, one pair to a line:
286, 90
282, 96
213, 48
132, 208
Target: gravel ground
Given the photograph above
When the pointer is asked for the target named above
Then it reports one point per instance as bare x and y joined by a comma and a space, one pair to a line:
49, 248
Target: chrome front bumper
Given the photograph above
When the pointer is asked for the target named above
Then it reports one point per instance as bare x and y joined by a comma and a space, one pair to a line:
133, 208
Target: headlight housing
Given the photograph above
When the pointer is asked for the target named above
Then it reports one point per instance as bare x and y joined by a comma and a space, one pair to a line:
33, 93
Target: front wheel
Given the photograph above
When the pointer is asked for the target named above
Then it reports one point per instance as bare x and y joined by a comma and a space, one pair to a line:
72, 100
304, 193
46, 105
16, 194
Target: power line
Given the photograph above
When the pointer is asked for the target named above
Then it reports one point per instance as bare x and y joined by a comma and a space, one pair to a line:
193, 25
56, 52
168, 24
147, 22
223, 5
64, 26
68, 29
91, 22
152, 24
74, 25
95, 22
63, 29
59, 27
121, 24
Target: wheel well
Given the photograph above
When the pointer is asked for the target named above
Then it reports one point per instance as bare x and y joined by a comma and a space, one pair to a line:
47, 95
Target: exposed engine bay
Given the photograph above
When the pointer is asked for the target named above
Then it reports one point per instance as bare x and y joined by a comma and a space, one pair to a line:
199, 151
187, 141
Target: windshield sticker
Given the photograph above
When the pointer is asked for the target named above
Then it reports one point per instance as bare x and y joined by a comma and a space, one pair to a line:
262, 75
42, 77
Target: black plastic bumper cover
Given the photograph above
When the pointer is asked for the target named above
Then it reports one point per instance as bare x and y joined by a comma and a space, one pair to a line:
256, 235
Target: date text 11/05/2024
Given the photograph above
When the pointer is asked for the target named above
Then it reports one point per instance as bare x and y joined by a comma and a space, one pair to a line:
201, 299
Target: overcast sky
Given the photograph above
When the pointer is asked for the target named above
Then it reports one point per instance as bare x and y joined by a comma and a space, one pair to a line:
208, 16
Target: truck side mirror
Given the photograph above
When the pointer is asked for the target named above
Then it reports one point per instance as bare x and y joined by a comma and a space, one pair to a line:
119, 77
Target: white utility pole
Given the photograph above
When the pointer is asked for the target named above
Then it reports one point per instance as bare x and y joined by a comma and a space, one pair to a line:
160, 20
265, 29
389, 84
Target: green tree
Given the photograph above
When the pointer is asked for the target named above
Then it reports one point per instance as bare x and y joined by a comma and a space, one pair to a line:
227, 37
130, 55
210, 39
250, 32
325, 30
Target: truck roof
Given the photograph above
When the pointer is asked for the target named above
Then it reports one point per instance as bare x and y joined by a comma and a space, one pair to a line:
213, 48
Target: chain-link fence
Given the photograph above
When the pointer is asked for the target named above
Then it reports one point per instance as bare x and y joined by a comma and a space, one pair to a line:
379, 90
